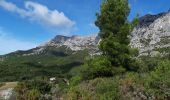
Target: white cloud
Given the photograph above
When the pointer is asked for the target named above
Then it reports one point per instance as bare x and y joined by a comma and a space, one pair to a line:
39, 13
9, 44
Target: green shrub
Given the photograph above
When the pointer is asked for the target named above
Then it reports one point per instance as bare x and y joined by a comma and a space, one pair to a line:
75, 80
34, 94
97, 89
97, 67
21, 91
158, 82
32, 89
42, 86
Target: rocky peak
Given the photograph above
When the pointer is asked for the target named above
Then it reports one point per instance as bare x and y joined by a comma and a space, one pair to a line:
75, 43
60, 39
152, 32
148, 19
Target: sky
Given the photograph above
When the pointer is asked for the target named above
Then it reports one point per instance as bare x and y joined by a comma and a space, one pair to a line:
25, 24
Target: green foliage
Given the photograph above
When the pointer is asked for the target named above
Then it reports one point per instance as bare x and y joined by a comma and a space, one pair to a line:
43, 86
165, 52
21, 91
135, 22
98, 89
134, 52
159, 81
122, 87
112, 17
153, 85
53, 62
148, 63
32, 89
117, 56
97, 67
75, 80
34, 95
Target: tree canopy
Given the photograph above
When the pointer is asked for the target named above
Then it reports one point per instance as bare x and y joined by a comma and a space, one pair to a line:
114, 30
112, 20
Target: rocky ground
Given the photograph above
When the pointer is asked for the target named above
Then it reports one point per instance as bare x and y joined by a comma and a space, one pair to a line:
6, 90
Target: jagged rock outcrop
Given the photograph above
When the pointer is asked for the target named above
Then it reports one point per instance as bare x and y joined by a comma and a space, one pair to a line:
151, 34
75, 43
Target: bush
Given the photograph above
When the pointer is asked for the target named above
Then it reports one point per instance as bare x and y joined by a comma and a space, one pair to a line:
41, 85
97, 67
75, 80
21, 91
158, 83
34, 94
32, 89
148, 63
97, 89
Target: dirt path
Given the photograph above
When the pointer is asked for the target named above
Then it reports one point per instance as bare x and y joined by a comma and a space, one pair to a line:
6, 90
8, 85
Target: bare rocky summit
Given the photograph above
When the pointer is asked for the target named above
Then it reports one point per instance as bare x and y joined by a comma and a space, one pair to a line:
75, 43
151, 34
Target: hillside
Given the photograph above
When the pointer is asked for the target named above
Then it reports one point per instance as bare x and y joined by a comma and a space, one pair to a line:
152, 35
62, 53
52, 59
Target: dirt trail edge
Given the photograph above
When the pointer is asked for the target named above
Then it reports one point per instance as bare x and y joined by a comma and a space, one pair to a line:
6, 90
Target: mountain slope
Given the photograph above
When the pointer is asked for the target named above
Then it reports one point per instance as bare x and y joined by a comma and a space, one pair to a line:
152, 35
52, 59
58, 56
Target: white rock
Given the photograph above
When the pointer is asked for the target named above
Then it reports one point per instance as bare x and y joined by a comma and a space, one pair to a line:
150, 32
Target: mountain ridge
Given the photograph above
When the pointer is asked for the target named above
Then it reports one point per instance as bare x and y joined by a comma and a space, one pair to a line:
62, 54
75, 43
151, 33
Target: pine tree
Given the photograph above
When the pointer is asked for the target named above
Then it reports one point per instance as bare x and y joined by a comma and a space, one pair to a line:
114, 31
114, 28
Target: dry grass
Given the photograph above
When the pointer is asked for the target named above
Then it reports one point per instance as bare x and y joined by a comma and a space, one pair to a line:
1, 84
8, 85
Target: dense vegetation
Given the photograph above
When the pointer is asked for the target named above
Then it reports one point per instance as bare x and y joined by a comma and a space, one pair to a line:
117, 56
51, 63
117, 74
33, 89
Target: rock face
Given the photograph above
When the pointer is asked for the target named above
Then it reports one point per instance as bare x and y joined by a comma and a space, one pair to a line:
75, 43
6, 94
151, 34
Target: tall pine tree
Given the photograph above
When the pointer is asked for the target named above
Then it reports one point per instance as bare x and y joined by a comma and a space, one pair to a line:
114, 30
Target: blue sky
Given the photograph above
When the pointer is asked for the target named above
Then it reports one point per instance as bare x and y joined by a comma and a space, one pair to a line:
25, 24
